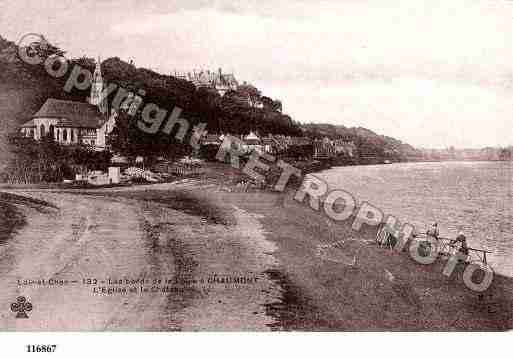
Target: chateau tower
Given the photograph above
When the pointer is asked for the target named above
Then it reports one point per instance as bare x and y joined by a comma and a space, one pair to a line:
97, 88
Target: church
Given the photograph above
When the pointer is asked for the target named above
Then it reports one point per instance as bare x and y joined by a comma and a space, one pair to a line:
73, 122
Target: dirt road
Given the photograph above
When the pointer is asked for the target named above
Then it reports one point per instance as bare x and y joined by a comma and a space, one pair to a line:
198, 275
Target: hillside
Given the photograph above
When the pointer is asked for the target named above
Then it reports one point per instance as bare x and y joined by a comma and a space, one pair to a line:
24, 88
367, 142
32, 85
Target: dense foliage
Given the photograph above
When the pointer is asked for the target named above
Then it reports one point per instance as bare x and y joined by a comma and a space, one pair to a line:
238, 112
369, 145
46, 161
24, 88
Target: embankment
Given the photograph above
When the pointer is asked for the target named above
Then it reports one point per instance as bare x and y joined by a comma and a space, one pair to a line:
339, 279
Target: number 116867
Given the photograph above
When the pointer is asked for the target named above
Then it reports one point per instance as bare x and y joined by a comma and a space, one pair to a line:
41, 348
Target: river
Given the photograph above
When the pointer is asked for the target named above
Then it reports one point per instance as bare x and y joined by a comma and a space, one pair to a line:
474, 197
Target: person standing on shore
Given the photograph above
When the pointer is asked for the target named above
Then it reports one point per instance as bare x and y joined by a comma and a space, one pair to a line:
427, 244
433, 231
463, 240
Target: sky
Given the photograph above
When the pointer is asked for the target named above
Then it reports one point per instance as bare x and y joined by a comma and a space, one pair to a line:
430, 73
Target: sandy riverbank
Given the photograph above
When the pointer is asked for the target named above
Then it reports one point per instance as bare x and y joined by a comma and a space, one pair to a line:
382, 290
195, 230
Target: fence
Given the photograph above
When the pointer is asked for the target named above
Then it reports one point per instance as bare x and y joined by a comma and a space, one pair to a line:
445, 246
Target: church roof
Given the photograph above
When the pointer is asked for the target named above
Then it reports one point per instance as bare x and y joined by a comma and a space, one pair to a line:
71, 113
29, 124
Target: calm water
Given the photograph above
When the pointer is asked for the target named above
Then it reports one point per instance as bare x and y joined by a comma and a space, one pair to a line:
475, 197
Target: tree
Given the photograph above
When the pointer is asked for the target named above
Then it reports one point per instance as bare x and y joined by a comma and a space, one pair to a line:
207, 104
506, 154
277, 106
250, 94
270, 104
44, 49
119, 140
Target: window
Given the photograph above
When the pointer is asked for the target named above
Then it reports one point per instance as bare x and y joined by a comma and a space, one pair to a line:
65, 135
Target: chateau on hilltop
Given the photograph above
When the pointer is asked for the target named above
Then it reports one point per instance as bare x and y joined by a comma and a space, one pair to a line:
73, 122
218, 81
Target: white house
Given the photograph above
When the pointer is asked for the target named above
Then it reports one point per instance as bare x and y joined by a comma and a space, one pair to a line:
252, 143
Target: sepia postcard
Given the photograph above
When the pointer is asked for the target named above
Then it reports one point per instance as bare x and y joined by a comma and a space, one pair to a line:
256, 166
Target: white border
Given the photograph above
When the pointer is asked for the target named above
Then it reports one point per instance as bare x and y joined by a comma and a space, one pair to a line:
259, 345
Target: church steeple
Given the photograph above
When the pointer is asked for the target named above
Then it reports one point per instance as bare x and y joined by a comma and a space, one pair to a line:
97, 88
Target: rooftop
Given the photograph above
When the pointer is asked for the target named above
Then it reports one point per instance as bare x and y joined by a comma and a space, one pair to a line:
71, 113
